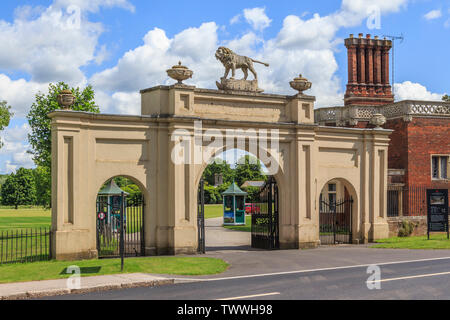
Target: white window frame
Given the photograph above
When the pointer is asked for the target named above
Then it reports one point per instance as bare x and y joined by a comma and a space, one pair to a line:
440, 156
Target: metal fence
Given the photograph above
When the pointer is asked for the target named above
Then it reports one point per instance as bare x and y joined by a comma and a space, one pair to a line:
409, 200
25, 245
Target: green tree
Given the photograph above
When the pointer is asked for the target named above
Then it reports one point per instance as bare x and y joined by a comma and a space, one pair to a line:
40, 137
133, 191
218, 166
248, 168
253, 194
5, 117
446, 98
19, 188
43, 183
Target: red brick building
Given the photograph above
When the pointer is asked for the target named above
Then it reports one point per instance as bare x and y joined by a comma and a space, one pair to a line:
419, 152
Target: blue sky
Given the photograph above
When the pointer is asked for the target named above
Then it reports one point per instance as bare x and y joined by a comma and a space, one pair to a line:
121, 46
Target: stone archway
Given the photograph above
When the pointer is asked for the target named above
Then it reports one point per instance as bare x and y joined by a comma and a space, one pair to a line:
90, 148
110, 198
338, 212
237, 239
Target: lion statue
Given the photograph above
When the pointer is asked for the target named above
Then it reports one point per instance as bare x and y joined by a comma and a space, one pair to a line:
232, 61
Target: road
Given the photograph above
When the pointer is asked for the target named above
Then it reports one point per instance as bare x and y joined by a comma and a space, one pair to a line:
329, 272
420, 279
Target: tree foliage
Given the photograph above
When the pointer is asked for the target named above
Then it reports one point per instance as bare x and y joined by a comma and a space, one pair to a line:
5, 117
218, 166
40, 137
43, 181
248, 168
19, 188
253, 194
446, 98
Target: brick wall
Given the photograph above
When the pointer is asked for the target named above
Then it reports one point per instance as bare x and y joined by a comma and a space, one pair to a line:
398, 146
426, 136
412, 145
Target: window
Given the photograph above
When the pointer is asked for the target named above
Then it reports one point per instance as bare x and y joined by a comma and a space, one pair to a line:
439, 167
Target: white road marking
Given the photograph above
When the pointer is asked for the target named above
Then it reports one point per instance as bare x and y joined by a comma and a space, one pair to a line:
411, 277
309, 270
252, 296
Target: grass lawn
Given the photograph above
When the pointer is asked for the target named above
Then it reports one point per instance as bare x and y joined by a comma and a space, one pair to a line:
156, 265
28, 217
246, 228
213, 211
438, 241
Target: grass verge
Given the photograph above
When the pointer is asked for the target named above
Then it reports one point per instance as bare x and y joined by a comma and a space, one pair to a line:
437, 241
213, 211
157, 265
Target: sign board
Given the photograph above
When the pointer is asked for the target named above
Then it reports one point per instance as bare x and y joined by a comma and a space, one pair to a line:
101, 216
437, 205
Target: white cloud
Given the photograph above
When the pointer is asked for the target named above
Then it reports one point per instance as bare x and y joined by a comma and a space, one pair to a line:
433, 14
235, 19
146, 65
15, 148
19, 93
447, 23
50, 46
303, 45
119, 102
415, 91
94, 5
257, 18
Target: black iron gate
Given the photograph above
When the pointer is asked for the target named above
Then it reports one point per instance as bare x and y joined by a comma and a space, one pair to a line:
265, 230
111, 237
201, 217
336, 221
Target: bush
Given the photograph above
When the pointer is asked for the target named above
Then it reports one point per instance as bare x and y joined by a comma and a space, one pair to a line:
406, 229
212, 195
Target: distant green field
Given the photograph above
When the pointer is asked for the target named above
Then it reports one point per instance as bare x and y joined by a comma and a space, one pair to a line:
37, 217
24, 217
213, 211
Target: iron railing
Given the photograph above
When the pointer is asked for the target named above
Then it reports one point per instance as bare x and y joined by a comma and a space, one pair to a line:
109, 229
25, 245
335, 221
265, 229
409, 200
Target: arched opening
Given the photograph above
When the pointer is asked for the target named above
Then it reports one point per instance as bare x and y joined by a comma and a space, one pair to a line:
238, 203
120, 218
337, 209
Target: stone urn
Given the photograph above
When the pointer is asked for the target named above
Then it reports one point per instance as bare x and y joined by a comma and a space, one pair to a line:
66, 99
378, 120
300, 84
180, 73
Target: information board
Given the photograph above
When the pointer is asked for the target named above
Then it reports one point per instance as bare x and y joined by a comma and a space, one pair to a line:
437, 205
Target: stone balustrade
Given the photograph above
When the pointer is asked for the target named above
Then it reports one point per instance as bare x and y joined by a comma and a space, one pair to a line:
350, 115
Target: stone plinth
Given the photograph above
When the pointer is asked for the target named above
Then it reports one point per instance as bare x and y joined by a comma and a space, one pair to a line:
238, 85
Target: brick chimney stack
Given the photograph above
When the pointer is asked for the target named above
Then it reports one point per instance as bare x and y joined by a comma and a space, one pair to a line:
368, 71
